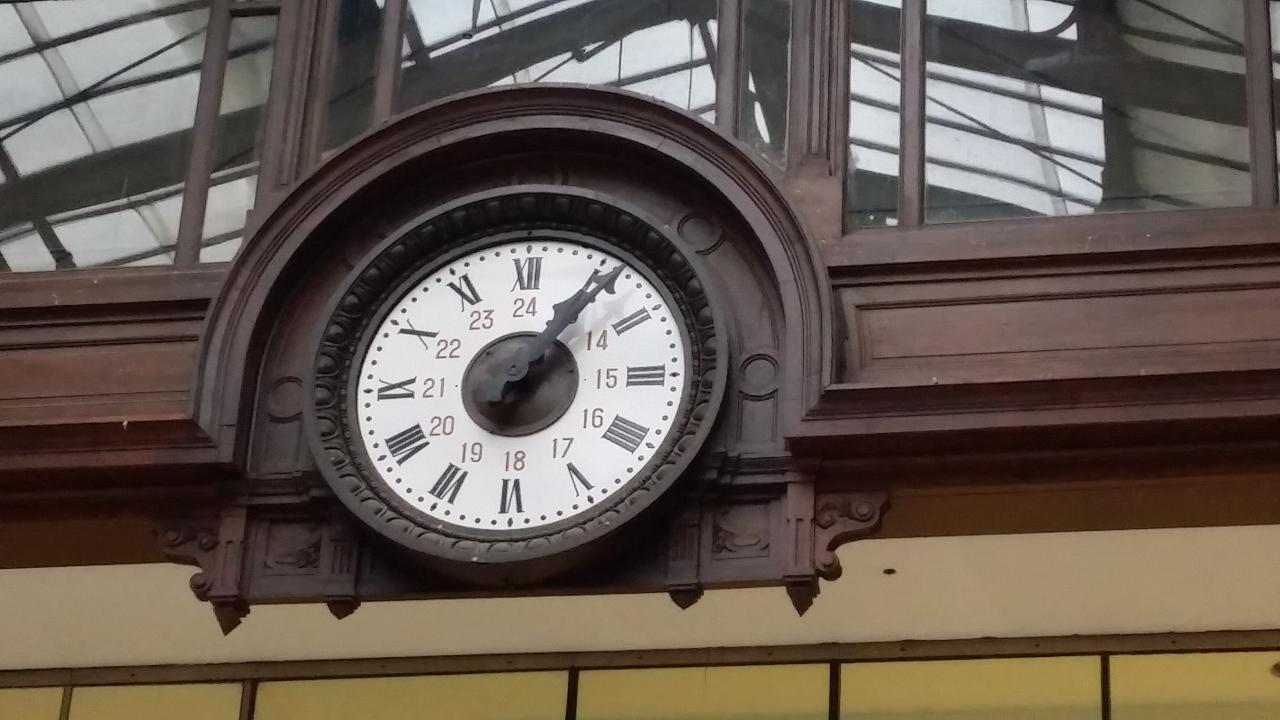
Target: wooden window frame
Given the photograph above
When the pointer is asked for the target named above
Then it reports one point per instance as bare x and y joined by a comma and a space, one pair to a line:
1234, 229
295, 116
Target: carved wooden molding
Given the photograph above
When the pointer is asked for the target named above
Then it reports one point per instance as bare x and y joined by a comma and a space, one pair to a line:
841, 518
473, 123
774, 531
215, 545
684, 549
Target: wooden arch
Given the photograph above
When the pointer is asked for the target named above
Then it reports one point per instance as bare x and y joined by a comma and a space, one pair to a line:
275, 255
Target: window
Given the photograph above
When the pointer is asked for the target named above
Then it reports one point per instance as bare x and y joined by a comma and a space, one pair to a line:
97, 101
986, 109
118, 146
661, 48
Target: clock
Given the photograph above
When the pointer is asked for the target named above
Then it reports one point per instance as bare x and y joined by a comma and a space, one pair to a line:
505, 384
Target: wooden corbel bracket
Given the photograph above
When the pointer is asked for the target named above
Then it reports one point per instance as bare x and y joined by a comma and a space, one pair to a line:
215, 545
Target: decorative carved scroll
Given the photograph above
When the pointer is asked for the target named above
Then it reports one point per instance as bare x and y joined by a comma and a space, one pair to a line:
215, 545
842, 517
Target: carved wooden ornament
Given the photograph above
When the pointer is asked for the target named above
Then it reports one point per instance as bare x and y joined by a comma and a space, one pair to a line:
508, 381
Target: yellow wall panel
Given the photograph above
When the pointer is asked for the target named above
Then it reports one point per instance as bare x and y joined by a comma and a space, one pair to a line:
1220, 686
206, 701
496, 696
763, 692
999, 689
30, 703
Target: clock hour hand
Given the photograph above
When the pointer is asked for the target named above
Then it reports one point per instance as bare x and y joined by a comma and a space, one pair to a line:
565, 313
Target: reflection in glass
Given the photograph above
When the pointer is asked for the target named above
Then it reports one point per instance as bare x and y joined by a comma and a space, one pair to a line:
874, 93
760, 692
359, 28
1195, 686
1046, 688
766, 63
96, 105
660, 48
1275, 69
1039, 107
238, 136
478, 696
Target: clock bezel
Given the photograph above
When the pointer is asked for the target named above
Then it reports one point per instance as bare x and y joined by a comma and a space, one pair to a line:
410, 283
433, 240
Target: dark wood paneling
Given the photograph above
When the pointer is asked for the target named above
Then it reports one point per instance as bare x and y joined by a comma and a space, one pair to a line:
97, 367
1063, 324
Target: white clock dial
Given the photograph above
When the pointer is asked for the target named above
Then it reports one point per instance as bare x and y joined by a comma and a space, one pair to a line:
462, 436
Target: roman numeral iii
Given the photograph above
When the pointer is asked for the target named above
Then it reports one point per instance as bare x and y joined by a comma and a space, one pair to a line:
625, 434
631, 321
407, 443
399, 390
647, 375
528, 273
449, 483
466, 290
510, 496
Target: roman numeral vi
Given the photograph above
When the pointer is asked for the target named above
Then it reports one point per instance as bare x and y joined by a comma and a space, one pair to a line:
510, 496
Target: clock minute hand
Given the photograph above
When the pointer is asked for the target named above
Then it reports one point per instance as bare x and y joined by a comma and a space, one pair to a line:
565, 313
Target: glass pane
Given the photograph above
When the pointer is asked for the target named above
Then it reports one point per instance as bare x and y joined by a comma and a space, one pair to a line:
31, 703
765, 692
1004, 689
238, 136
1275, 69
874, 93
1037, 107
1220, 686
660, 48
355, 56
96, 105
766, 63
157, 702
498, 696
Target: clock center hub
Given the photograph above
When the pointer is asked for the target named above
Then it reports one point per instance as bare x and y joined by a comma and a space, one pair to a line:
545, 394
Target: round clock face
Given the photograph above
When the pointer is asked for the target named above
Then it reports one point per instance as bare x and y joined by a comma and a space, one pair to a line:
521, 384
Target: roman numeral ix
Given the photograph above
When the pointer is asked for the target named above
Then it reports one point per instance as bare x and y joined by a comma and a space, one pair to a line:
528, 273
401, 391
631, 321
647, 375
510, 496
466, 290
577, 478
407, 443
625, 434
449, 483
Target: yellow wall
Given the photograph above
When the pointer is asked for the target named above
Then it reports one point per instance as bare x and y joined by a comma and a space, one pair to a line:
766, 692
205, 701
30, 703
1149, 581
1194, 686
501, 696
1064, 688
